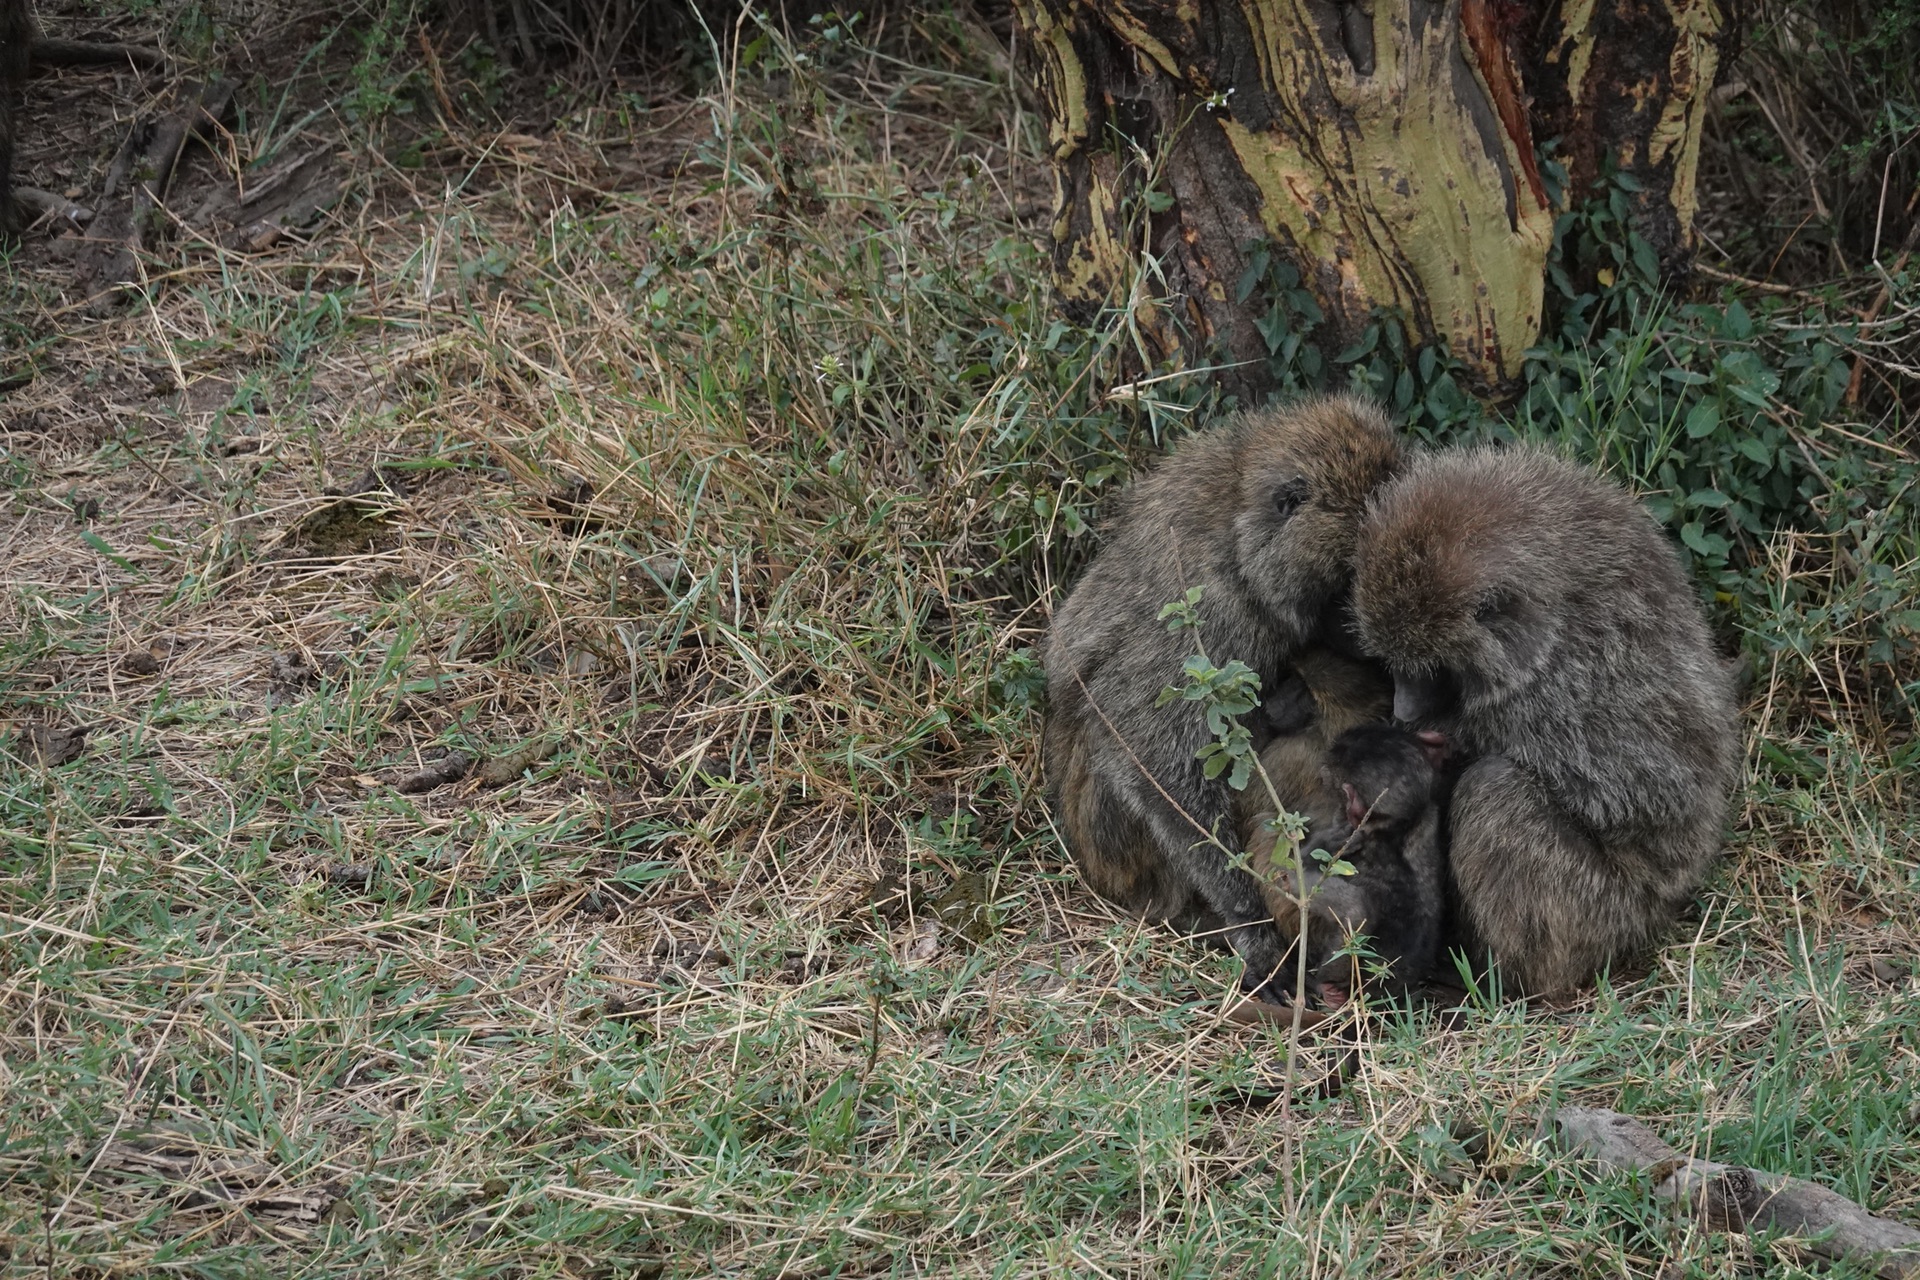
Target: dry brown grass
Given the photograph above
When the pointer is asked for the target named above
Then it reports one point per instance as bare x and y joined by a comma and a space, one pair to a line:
730, 447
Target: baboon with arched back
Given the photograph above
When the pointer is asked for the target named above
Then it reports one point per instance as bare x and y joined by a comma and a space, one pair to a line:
1261, 512
1534, 613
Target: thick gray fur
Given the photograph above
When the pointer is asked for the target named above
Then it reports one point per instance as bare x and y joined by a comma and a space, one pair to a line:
1129, 796
1536, 614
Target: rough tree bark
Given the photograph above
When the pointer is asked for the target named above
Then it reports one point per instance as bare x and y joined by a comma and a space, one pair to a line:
1384, 150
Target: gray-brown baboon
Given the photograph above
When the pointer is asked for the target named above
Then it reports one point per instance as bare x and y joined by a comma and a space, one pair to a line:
1377, 804
1261, 512
1535, 613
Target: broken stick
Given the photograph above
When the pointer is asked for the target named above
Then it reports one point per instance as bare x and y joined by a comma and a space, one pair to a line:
1733, 1198
136, 185
51, 51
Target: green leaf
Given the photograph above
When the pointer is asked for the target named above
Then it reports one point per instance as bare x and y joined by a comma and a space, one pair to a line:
1711, 545
1645, 260
1703, 420
1368, 340
645, 872
1739, 325
99, 544
1708, 498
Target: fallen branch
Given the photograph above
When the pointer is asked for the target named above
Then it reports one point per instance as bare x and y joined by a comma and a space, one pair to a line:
1733, 1198
57, 209
50, 51
136, 186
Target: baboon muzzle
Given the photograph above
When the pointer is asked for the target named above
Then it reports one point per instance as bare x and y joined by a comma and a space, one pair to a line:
1420, 698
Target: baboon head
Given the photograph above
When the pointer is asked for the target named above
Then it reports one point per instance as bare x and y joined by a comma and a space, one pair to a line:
1385, 775
1464, 570
1305, 473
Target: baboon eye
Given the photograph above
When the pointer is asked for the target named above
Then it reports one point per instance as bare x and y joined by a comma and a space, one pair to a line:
1291, 496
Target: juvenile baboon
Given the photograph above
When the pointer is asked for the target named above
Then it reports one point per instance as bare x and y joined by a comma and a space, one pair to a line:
1260, 512
1328, 693
1377, 805
16, 37
1536, 615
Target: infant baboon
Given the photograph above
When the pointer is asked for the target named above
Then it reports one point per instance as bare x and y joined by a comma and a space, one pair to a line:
1378, 806
1261, 512
1328, 693
1537, 616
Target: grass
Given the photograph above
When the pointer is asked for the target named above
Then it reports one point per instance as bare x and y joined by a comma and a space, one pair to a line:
727, 445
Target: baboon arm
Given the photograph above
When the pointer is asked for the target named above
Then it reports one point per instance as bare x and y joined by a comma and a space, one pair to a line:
1234, 896
1538, 892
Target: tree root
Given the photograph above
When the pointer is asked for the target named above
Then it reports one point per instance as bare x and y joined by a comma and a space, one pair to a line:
1732, 1198
136, 185
48, 51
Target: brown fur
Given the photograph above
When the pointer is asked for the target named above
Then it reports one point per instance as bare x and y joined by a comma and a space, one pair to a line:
1536, 614
1260, 511
1346, 692
1377, 804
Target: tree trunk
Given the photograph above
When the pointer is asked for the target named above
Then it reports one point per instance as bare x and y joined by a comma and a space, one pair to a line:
1300, 164
1625, 83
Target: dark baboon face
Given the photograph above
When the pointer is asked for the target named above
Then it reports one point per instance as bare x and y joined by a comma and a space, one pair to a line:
1464, 571
1386, 776
1303, 488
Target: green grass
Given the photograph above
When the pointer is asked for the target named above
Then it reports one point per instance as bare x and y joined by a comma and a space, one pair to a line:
751, 485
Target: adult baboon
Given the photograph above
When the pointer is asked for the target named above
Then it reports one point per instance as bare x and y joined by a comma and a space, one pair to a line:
1535, 614
1261, 512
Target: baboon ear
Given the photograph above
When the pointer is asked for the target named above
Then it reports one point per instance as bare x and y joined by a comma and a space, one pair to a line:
1512, 624
1497, 605
1291, 496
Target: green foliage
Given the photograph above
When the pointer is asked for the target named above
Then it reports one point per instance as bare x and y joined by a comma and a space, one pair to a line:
1722, 414
1225, 693
840, 450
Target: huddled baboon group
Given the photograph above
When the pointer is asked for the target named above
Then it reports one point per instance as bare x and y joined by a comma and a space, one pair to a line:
1486, 685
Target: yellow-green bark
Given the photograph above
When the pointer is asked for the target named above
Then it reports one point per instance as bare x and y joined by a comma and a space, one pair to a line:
1384, 148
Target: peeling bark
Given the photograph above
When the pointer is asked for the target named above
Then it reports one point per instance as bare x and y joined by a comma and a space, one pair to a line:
1383, 149
1625, 83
